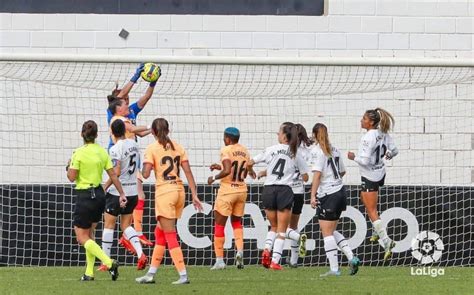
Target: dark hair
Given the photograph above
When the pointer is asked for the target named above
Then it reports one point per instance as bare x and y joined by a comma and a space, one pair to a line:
114, 104
160, 129
291, 133
303, 135
89, 131
320, 133
114, 94
233, 138
118, 128
381, 117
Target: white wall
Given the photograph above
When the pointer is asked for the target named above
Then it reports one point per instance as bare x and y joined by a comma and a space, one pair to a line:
352, 28
434, 124
43, 106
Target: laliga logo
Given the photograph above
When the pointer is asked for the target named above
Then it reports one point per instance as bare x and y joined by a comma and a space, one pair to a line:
427, 247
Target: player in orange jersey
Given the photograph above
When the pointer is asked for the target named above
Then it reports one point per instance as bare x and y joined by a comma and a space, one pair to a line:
166, 157
230, 201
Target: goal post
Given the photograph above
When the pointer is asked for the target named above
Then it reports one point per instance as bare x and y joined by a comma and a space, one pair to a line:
429, 186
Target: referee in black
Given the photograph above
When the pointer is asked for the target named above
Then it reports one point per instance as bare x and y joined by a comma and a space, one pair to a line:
85, 168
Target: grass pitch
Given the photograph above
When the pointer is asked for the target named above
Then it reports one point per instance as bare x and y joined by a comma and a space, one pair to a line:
251, 280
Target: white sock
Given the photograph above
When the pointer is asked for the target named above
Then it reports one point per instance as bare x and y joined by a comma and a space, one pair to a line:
107, 240
271, 235
219, 259
183, 274
343, 245
278, 248
330, 247
294, 252
292, 234
152, 270
132, 236
381, 231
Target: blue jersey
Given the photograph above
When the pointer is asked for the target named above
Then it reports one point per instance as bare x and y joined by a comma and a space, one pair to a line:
134, 111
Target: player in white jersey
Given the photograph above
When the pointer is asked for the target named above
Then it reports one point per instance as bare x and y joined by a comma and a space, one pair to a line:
126, 161
282, 161
375, 145
298, 240
328, 196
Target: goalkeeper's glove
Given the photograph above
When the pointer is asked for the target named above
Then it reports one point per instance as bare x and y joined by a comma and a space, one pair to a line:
137, 74
152, 84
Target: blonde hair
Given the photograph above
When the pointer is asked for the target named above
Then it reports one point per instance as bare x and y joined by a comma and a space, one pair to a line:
381, 119
320, 132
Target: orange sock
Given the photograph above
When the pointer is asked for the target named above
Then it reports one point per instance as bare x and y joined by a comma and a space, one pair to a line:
175, 252
160, 247
158, 253
138, 216
238, 235
219, 240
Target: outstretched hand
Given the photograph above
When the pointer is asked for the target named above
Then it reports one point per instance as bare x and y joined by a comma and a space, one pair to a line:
137, 74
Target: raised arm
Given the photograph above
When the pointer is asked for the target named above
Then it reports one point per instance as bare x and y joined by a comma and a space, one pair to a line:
128, 87
146, 97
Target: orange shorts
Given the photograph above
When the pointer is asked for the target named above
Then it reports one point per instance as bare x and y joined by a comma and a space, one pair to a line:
230, 204
169, 204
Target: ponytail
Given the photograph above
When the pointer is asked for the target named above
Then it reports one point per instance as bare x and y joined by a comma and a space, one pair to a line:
114, 95
291, 132
89, 131
320, 133
303, 135
386, 120
160, 129
381, 119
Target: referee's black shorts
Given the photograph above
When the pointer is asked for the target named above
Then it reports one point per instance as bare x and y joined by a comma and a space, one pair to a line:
112, 205
330, 207
90, 205
277, 197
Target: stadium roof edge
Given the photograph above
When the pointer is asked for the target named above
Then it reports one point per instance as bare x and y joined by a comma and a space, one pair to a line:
328, 61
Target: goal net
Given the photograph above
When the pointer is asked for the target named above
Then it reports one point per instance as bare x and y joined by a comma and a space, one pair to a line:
429, 190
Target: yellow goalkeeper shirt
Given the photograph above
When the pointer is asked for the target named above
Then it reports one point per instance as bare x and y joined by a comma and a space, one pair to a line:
90, 161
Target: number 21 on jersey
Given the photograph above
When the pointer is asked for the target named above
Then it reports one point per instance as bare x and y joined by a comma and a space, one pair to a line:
172, 172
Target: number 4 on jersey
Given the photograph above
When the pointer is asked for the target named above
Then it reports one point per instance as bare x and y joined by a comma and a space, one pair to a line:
279, 168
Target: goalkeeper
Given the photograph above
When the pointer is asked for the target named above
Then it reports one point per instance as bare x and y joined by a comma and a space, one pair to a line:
134, 109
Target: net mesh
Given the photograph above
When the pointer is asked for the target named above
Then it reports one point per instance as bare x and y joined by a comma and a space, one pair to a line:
429, 185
